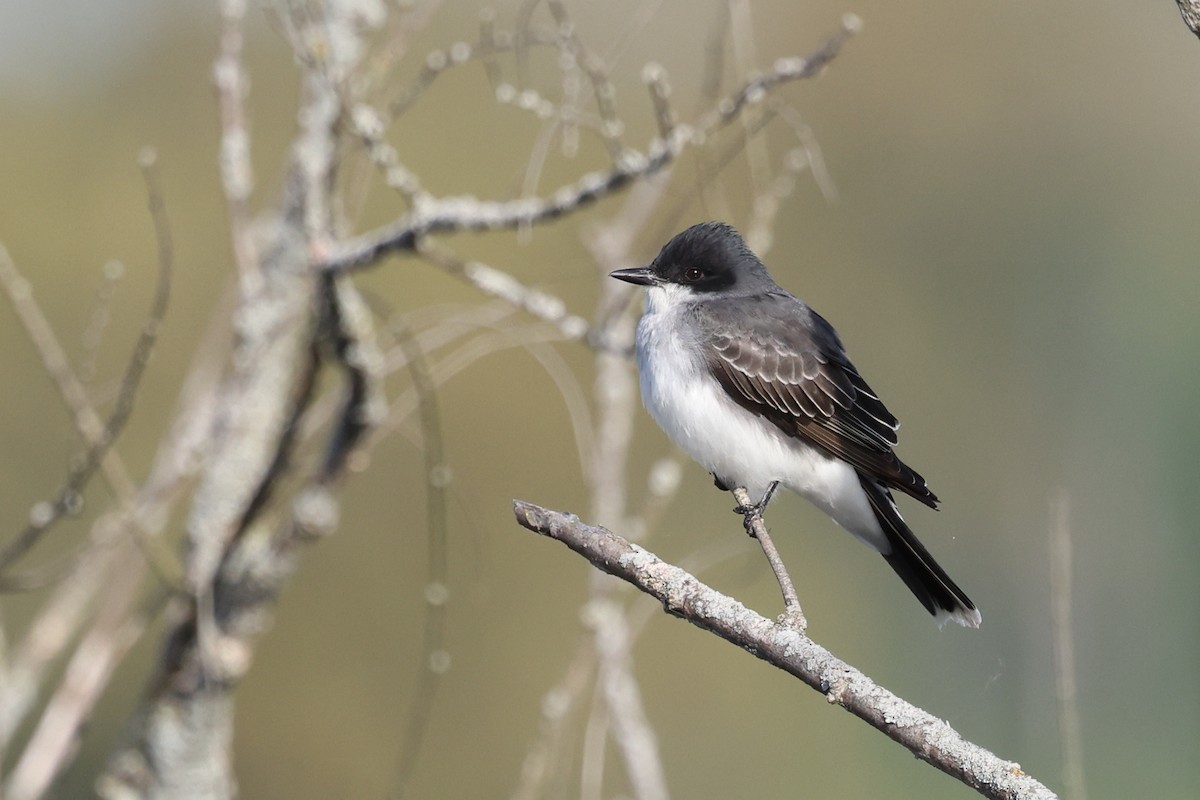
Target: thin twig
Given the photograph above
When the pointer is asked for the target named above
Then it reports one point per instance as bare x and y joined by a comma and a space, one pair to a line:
87, 422
1069, 727
594, 747
237, 560
622, 712
603, 90
461, 358
99, 437
471, 214
87, 676
98, 318
435, 659
491, 43
741, 39
497, 283
752, 518
546, 757
655, 78
49, 634
625, 712
115, 566
927, 737
812, 149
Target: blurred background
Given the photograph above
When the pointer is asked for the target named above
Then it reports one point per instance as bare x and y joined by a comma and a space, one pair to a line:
1010, 257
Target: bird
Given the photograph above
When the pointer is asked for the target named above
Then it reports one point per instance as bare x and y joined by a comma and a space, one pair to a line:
756, 387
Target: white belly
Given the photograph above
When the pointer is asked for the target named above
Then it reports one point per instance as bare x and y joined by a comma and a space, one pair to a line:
739, 447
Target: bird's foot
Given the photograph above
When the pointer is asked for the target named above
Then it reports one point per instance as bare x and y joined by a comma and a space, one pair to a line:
756, 528
752, 511
749, 511
762, 504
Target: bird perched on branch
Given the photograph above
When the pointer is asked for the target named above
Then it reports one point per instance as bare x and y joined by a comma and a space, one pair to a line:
757, 387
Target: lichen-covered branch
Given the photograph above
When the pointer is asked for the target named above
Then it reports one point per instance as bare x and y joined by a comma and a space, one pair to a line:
927, 737
178, 743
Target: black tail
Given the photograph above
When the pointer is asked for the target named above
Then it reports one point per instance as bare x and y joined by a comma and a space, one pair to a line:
915, 566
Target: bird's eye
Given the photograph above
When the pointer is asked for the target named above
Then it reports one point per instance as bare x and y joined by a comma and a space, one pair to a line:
693, 274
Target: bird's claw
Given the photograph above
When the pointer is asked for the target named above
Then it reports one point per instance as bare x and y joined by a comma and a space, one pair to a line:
749, 515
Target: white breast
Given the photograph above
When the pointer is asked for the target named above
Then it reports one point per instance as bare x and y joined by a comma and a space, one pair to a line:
737, 446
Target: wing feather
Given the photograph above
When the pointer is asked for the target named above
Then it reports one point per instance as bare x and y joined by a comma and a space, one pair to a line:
802, 382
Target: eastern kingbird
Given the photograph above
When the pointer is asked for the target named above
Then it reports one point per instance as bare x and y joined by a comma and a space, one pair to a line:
756, 386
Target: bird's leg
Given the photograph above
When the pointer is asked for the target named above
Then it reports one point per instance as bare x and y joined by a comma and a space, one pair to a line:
762, 504
752, 520
745, 507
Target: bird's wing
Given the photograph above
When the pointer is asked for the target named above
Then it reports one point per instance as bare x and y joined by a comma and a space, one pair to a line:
786, 363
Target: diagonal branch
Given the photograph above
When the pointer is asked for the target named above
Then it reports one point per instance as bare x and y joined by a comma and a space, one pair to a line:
756, 527
440, 215
927, 737
98, 436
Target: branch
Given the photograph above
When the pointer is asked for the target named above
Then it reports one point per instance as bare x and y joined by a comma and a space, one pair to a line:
178, 743
497, 283
99, 437
438, 215
237, 173
1070, 729
756, 527
107, 584
438, 476
682, 595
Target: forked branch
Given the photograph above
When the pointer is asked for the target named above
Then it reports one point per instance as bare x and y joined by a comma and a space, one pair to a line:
683, 595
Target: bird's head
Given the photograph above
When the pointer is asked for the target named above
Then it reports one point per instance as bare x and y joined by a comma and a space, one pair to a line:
707, 258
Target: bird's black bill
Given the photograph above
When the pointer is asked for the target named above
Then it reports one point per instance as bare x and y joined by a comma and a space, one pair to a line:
642, 276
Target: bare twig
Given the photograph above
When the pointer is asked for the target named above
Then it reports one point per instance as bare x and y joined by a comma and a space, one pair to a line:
500, 284
546, 756
491, 43
98, 317
594, 746
461, 358
87, 676
436, 660
99, 437
87, 421
1069, 728
51, 632
114, 572
741, 38
594, 68
682, 595
238, 555
752, 517
623, 700
813, 158
618, 707
368, 124
471, 214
